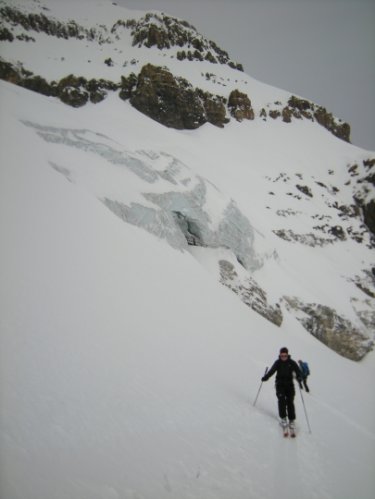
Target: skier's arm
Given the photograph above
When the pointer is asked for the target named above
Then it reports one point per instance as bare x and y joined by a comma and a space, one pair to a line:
271, 372
298, 372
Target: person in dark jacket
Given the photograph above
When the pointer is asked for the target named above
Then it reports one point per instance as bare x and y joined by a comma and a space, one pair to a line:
305, 372
284, 367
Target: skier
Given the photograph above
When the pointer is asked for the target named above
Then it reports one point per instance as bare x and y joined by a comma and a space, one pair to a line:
284, 367
305, 372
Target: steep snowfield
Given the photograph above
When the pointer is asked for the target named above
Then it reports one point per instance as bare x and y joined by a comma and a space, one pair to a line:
126, 370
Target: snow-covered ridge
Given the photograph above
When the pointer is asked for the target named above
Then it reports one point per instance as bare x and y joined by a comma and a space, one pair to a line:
110, 55
153, 29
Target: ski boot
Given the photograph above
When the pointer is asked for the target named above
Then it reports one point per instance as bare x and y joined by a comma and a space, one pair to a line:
284, 426
292, 428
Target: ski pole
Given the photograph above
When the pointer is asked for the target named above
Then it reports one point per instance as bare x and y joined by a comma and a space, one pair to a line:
304, 408
261, 383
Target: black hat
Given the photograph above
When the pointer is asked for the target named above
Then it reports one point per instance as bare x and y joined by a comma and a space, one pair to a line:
284, 350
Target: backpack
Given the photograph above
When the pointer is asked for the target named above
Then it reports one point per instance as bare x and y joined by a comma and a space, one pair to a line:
305, 369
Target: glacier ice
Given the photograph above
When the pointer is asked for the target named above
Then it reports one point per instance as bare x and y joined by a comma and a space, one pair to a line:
178, 205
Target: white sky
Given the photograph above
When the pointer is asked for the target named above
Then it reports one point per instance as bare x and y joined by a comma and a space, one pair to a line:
323, 50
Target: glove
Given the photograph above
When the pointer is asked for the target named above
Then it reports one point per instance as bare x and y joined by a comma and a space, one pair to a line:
265, 378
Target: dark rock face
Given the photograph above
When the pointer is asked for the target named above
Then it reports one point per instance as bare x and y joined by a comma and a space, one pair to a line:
167, 100
364, 186
369, 215
72, 90
239, 106
173, 102
250, 293
324, 118
335, 331
369, 207
301, 108
164, 32
215, 109
127, 85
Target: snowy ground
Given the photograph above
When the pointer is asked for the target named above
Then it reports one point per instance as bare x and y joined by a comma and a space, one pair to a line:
127, 371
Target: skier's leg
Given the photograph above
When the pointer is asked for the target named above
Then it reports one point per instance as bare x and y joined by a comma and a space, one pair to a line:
281, 401
290, 403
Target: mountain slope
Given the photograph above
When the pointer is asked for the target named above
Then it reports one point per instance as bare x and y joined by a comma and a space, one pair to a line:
127, 369
309, 189
120, 380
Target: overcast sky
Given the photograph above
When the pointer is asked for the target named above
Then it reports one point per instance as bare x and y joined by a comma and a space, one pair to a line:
323, 50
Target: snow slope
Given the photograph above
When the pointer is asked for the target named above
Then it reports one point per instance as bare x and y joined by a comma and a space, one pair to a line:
120, 379
126, 370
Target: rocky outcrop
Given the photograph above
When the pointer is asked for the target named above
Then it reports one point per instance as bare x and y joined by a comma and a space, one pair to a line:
165, 32
75, 91
168, 100
40, 23
249, 292
309, 239
335, 331
363, 176
297, 108
239, 106
155, 92
300, 108
173, 102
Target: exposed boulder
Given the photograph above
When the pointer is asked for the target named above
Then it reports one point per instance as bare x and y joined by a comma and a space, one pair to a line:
72, 91
239, 106
305, 189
